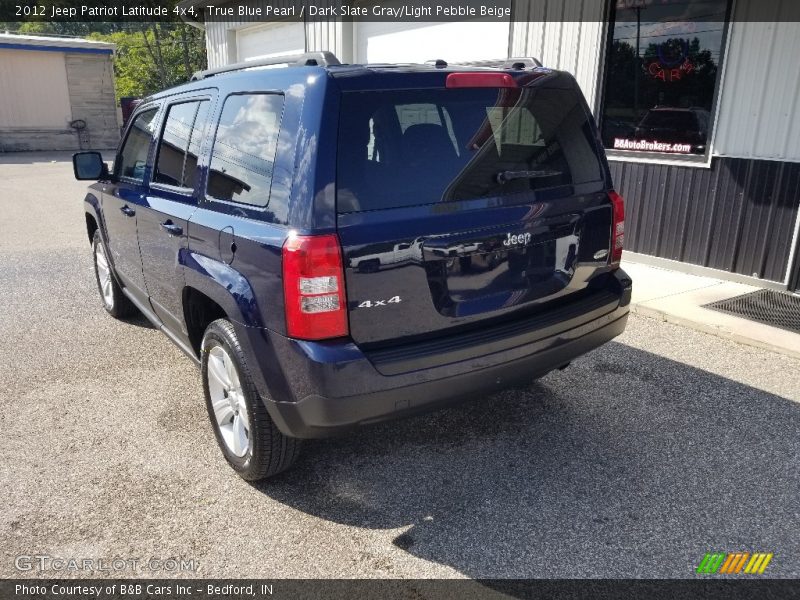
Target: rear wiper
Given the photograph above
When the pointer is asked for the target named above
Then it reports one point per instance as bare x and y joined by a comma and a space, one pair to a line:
506, 176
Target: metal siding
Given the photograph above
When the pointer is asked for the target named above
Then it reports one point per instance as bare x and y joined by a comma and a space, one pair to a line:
217, 44
563, 34
759, 112
329, 34
737, 216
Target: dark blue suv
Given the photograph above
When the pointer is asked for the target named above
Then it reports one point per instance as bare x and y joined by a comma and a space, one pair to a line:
337, 245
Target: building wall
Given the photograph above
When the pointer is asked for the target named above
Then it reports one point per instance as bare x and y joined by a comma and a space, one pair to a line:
41, 92
92, 99
564, 34
270, 39
34, 100
327, 34
759, 113
33, 88
221, 37
221, 40
221, 44
737, 216
759, 109
320, 34
740, 214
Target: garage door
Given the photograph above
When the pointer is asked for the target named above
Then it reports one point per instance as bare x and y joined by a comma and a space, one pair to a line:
33, 86
270, 40
378, 42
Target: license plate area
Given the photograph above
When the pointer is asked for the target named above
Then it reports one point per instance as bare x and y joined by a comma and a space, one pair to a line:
470, 278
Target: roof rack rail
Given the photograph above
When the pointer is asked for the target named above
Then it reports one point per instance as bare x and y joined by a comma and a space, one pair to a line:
308, 59
522, 62
516, 63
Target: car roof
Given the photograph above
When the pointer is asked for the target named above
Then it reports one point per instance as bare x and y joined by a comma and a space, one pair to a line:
348, 76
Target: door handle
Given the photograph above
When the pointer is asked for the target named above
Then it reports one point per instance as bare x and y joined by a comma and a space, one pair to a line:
127, 211
171, 228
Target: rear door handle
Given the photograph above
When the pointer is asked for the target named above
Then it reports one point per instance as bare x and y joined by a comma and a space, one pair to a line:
127, 211
171, 228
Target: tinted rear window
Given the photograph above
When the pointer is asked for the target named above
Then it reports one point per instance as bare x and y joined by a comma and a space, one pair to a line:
412, 147
243, 156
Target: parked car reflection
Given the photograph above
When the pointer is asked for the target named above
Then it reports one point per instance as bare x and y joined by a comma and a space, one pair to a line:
675, 125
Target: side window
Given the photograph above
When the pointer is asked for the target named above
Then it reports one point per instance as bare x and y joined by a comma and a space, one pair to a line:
243, 157
198, 135
184, 127
133, 156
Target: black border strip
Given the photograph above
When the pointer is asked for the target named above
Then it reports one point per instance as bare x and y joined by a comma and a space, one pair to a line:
264, 11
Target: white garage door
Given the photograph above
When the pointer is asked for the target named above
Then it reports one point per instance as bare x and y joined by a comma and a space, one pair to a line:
378, 42
270, 40
33, 88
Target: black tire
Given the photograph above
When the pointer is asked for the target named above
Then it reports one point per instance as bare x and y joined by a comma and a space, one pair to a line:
115, 302
269, 452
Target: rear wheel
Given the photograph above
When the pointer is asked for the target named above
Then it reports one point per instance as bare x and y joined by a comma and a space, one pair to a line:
249, 439
114, 301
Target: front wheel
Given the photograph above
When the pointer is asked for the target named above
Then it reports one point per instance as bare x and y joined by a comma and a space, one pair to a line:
249, 439
114, 301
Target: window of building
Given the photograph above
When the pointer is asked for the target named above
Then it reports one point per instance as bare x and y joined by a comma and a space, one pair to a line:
243, 157
133, 156
180, 141
662, 75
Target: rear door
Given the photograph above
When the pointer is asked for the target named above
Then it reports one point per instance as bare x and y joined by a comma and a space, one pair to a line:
171, 200
460, 207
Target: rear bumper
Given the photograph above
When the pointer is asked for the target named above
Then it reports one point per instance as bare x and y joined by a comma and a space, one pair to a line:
322, 389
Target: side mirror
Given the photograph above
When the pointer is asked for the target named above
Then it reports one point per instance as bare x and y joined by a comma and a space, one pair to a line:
89, 166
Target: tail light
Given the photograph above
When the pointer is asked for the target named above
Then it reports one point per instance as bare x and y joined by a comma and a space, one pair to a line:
313, 287
617, 226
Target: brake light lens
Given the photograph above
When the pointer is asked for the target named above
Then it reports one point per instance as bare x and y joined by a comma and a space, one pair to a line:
313, 287
480, 80
617, 226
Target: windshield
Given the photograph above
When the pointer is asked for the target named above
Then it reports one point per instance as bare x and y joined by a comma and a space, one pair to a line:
412, 147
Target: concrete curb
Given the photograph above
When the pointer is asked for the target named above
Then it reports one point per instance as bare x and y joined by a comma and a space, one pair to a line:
722, 332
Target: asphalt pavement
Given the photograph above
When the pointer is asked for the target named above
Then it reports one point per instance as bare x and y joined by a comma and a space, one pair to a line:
634, 462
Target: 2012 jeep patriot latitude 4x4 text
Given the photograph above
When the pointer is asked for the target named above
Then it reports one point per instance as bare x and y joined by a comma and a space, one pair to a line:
337, 245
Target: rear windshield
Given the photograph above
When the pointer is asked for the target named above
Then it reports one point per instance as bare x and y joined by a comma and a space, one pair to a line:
413, 147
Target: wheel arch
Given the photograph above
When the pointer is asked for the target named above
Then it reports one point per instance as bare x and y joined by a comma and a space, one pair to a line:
199, 311
214, 289
91, 209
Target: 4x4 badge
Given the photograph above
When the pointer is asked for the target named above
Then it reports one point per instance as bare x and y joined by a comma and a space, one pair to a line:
374, 303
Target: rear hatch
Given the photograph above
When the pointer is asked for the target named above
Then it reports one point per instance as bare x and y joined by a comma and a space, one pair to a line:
460, 206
